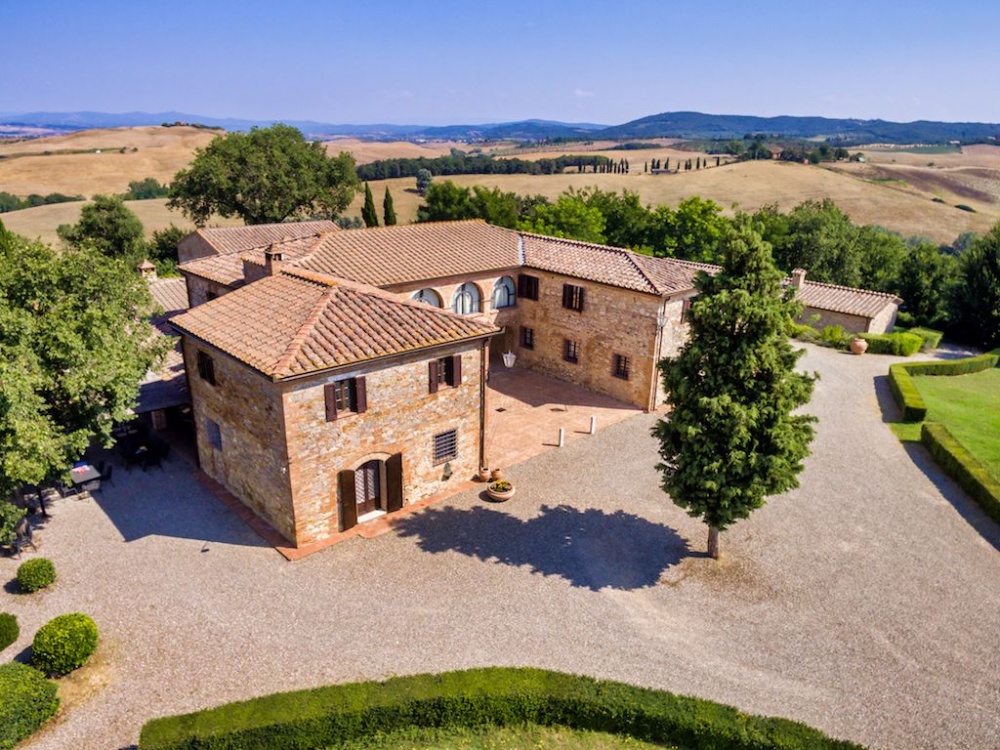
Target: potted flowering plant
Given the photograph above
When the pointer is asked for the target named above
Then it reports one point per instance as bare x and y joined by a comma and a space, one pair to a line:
500, 490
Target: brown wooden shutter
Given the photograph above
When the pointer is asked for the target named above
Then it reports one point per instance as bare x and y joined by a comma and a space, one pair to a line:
522, 285
348, 503
567, 296
394, 483
433, 377
330, 399
360, 395
580, 298
456, 370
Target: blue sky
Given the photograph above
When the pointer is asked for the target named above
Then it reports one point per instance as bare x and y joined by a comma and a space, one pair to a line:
450, 62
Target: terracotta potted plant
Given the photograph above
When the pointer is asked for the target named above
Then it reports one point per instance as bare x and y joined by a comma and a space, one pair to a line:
484, 474
500, 490
858, 345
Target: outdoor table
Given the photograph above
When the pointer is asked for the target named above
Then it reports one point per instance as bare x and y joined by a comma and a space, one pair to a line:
86, 476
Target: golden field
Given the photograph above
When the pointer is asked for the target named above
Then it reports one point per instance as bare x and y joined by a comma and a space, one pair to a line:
894, 188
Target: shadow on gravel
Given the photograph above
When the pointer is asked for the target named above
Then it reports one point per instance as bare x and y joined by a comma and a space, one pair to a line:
890, 411
967, 508
169, 502
589, 548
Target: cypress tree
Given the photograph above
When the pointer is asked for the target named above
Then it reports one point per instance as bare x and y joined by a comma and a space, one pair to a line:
388, 210
368, 213
734, 436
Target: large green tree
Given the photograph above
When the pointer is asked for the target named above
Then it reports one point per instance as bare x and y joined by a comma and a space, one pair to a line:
107, 225
820, 238
265, 176
733, 436
74, 345
568, 217
977, 302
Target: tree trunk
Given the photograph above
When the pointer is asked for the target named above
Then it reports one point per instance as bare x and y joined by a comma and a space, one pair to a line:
713, 542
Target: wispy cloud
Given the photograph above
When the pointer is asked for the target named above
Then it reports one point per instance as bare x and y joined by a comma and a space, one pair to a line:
582, 93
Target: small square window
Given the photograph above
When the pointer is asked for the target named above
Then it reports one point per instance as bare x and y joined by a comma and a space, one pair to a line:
571, 351
206, 367
527, 286
445, 446
573, 297
345, 397
527, 337
213, 434
686, 309
445, 371
621, 367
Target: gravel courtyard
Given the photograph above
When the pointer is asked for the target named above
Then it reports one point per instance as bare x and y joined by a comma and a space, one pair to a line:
866, 603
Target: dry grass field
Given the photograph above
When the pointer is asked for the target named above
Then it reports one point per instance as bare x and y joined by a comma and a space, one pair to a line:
895, 188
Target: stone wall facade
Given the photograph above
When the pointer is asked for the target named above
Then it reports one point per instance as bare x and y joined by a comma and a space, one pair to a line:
281, 457
201, 290
823, 318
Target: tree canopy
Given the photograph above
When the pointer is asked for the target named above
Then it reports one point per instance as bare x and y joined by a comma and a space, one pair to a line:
732, 437
368, 213
977, 307
107, 225
265, 176
74, 345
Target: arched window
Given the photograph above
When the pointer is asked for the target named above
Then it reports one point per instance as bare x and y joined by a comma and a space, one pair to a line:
466, 300
504, 293
428, 297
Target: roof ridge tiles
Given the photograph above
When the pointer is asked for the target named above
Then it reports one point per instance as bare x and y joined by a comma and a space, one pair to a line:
282, 366
827, 285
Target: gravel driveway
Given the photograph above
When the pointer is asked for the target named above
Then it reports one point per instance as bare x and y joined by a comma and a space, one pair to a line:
866, 603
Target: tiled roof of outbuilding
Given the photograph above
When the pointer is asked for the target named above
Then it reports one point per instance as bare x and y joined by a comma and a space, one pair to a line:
297, 322
844, 299
170, 294
238, 239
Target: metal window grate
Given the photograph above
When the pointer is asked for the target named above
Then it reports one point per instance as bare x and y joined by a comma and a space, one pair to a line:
445, 446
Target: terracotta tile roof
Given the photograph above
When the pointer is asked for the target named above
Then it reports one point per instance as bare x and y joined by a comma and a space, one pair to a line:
237, 239
298, 322
844, 299
610, 265
413, 252
170, 294
228, 269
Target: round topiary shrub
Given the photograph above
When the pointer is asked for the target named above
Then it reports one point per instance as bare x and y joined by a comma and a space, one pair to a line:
35, 574
27, 700
64, 643
9, 631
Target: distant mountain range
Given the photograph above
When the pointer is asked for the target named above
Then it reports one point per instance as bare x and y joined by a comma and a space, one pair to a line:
692, 125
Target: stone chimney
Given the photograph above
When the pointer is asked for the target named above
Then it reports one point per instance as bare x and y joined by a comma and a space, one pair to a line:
798, 277
147, 270
274, 258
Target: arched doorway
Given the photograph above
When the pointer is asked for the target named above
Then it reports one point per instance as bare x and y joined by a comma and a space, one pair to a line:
374, 486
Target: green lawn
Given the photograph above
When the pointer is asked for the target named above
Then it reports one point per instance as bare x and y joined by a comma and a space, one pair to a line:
498, 738
969, 406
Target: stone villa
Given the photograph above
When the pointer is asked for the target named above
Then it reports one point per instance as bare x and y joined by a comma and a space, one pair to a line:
337, 375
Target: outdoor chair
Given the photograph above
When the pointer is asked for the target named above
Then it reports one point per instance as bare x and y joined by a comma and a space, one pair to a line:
67, 490
106, 473
23, 537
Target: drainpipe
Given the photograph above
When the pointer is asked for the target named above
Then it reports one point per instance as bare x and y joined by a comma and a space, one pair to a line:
661, 322
484, 359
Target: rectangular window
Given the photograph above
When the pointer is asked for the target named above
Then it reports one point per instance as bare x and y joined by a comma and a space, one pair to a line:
348, 396
527, 286
621, 367
573, 297
445, 446
686, 309
213, 434
571, 351
445, 371
527, 337
206, 367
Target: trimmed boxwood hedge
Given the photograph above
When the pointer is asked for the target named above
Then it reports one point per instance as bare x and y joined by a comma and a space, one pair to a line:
900, 344
27, 700
9, 630
35, 574
64, 643
477, 697
905, 392
963, 467
932, 338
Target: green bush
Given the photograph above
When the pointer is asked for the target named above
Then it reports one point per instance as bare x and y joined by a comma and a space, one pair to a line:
900, 344
835, 337
932, 338
963, 467
64, 643
35, 574
27, 701
9, 630
494, 696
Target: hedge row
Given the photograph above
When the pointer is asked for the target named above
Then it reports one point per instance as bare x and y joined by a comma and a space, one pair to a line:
27, 701
9, 629
478, 697
900, 344
905, 392
963, 467
931, 338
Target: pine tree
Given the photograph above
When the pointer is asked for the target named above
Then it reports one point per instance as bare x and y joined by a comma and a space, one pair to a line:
368, 213
733, 438
388, 210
